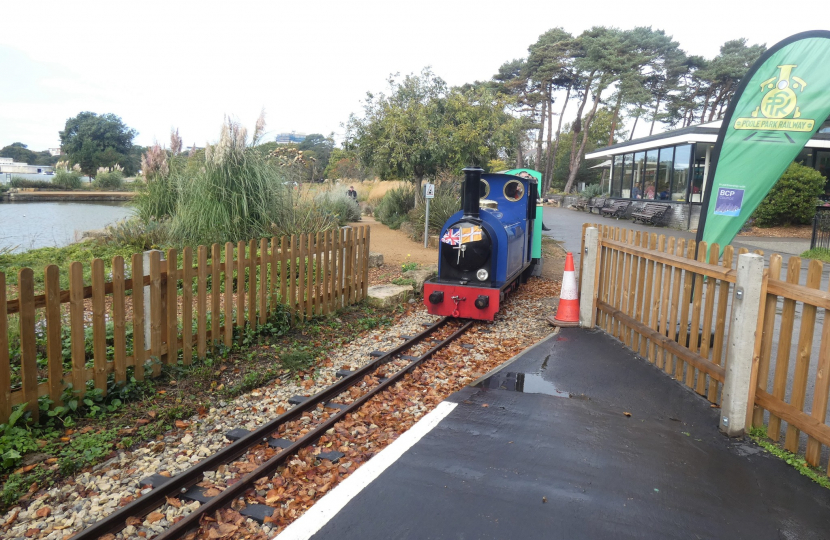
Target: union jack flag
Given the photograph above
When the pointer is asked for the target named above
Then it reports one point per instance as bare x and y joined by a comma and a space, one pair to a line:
452, 237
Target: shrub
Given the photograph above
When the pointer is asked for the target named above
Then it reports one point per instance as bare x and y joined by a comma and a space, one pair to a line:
19, 182
338, 203
109, 179
157, 198
593, 190
793, 199
67, 179
395, 205
447, 202
140, 234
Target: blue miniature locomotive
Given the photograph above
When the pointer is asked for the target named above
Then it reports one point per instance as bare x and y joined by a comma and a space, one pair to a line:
484, 249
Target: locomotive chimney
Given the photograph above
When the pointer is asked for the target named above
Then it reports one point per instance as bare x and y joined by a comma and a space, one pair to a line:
472, 186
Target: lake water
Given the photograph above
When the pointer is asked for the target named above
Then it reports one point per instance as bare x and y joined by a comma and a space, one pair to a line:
30, 225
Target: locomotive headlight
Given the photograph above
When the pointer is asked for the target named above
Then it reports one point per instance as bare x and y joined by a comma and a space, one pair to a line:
482, 274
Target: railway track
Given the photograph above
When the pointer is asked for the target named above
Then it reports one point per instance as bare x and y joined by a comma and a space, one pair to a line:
346, 396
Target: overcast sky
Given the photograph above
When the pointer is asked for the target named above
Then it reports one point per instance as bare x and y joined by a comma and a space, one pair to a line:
165, 64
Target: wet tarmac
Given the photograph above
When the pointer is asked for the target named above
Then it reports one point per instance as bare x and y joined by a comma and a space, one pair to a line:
544, 449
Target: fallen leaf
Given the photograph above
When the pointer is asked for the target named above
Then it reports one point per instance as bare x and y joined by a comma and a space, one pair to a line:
12, 518
152, 414
25, 469
280, 410
212, 492
272, 496
43, 512
134, 521
485, 405
126, 500
181, 424
155, 516
142, 422
627, 413
108, 536
172, 501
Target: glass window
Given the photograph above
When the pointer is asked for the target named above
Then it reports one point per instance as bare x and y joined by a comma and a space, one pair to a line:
823, 166
639, 173
616, 180
649, 175
513, 190
483, 189
664, 174
625, 191
680, 177
703, 159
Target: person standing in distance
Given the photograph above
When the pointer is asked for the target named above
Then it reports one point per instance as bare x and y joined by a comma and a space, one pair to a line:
352, 193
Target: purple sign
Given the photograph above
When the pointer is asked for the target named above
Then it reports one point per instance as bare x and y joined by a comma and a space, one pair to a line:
729, 201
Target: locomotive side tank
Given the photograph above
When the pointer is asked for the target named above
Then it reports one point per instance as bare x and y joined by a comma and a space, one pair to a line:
485, 249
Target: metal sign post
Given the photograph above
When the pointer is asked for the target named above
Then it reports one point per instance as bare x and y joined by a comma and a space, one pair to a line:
429, 193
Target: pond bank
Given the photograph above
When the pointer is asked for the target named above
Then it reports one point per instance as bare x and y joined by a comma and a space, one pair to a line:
68, 196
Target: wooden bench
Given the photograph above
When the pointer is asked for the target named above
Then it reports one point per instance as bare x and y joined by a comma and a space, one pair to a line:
616, 209
581, 203
651, 213
597, 203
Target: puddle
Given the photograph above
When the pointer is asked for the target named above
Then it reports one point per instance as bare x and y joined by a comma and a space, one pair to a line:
527, 383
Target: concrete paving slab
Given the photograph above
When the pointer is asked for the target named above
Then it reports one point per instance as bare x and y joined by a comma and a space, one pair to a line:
543, 450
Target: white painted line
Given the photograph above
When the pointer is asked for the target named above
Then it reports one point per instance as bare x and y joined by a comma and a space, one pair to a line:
332, 502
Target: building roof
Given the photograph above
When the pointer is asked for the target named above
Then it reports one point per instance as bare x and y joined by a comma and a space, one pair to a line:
699, 133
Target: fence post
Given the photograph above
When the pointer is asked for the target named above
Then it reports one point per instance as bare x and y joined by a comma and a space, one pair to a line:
738, 388
587, 275
147, 311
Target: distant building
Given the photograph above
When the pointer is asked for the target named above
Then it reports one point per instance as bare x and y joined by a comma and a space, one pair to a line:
8, 165
293, 137
54, 151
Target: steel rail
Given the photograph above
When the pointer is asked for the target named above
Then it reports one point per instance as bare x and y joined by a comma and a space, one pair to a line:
181, 482
226, 497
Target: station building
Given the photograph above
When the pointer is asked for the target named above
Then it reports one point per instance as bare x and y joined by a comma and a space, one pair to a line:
671, 168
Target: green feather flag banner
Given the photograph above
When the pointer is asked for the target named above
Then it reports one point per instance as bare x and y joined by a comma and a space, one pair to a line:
781, 103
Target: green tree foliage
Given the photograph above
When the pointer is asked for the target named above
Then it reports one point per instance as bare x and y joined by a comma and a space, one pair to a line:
95, 141
598, 136
640, 75
320, 148
793, 199
422, 126
19, 152
344, 164
707, 86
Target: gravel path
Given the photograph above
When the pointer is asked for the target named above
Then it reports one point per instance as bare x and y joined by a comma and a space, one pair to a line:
92, 494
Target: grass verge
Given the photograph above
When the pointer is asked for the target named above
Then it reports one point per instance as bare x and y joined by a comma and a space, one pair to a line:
819, 254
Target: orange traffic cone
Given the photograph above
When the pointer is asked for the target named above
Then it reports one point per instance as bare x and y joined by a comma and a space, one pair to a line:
568, 313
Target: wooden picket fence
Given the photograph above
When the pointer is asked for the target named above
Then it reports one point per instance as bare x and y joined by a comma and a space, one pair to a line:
310, 274
674, 310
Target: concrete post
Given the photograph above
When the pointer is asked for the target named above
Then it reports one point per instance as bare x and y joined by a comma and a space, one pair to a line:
737, 386
588, 292
147, 319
